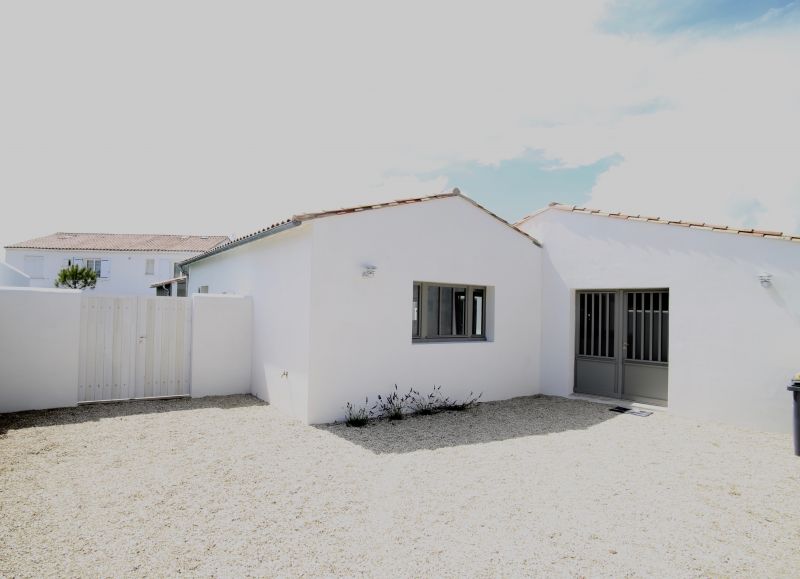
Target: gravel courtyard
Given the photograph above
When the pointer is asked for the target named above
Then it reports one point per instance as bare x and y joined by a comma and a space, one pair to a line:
532, 486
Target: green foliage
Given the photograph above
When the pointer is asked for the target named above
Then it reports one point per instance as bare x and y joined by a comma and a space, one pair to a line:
393, 405
76, 277
435, 402
429, 404
357, 417
459, 405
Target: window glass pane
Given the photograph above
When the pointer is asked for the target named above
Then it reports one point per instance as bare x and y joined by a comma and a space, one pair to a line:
477, 312
595, 325
432, 311
646, 332
415, 312
630, 318
460, 311
445, 311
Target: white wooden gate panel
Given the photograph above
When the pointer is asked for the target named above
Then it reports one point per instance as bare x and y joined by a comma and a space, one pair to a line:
134, 347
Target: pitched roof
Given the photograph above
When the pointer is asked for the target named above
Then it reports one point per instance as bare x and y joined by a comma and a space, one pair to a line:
647, 219
122, 242
298, 219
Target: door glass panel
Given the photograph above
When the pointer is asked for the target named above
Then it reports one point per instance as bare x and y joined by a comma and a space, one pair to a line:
582, 325
630, 319
646, 317
611, 324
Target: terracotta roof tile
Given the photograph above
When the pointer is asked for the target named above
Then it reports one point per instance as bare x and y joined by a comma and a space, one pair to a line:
303, 217
122, 242
678, 222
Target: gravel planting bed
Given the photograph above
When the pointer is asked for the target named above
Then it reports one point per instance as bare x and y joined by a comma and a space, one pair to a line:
535, 486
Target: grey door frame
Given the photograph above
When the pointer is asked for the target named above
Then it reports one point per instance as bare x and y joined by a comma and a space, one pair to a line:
619, 360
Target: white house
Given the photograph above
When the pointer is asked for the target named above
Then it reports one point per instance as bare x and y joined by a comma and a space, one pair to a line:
12, 277
702, 319
424, 292
126, 264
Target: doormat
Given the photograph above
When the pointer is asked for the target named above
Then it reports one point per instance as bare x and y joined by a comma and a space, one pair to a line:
623, 410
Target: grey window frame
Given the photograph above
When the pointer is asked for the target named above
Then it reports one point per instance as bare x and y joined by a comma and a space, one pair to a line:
423, 332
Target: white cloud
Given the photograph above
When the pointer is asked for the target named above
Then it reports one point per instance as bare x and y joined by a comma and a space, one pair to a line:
207, 117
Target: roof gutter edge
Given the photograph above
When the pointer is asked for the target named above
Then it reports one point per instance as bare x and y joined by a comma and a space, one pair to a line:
239, 242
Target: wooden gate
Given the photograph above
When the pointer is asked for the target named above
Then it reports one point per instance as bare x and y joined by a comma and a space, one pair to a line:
134, 347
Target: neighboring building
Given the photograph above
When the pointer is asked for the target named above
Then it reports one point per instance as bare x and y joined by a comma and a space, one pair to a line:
126, 264
438, 291
12, 277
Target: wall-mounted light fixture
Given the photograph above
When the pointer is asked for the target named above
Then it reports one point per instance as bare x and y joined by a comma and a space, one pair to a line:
369, 271
765, 279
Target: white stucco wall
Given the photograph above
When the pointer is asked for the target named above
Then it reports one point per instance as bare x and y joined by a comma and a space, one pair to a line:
127, 275
12, 277
734, 345
39, 336
275, 272
361, 327
222, 330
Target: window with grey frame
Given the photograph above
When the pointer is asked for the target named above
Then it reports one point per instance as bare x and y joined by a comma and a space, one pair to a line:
448, 312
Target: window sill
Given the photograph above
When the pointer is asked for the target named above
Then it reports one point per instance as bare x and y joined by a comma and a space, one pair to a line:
446, 340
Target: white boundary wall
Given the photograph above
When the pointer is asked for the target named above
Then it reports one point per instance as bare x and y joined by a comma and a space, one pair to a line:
222, 333
40, 336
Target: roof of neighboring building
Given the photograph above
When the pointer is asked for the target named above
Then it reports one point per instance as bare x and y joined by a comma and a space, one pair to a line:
647, 219
296, 220
122, 242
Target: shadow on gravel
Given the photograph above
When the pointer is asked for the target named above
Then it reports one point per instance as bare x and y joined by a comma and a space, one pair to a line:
487, 422
92, 412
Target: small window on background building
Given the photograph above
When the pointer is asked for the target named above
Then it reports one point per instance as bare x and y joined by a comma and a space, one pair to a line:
102, 267
150, 267
448, 312
203, 289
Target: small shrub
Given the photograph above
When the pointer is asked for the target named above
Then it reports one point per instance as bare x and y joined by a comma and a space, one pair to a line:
460, 405
357, 417
426, 405
393, 405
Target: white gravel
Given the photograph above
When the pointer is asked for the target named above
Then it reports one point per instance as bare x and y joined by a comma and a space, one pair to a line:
531, 486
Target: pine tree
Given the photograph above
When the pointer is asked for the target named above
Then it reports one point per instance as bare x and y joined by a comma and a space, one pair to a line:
76, 277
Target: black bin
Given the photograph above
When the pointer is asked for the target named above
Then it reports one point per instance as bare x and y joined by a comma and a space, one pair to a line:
795, 390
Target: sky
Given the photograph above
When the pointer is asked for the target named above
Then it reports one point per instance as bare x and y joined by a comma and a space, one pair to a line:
224, 117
